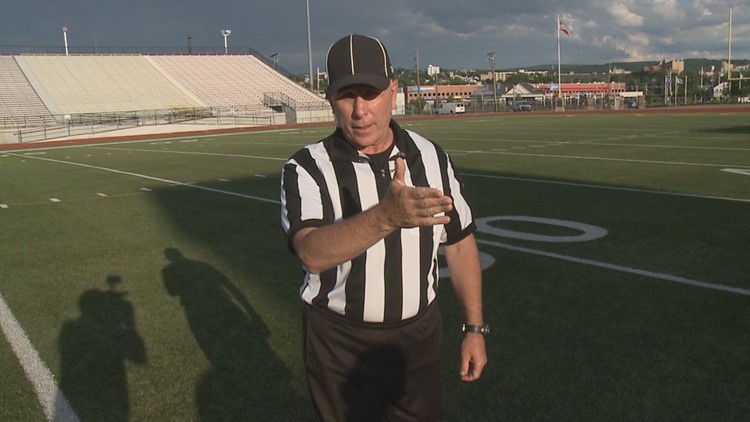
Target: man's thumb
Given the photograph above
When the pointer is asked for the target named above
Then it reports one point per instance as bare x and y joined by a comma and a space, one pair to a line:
398, 176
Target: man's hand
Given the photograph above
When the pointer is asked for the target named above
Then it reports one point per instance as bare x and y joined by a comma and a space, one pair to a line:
322, 248
473, 357
414, 206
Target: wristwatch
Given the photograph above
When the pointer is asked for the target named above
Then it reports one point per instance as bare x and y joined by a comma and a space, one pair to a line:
481, 329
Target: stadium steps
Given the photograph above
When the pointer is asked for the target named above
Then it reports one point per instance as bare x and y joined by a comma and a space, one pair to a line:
19, 103
230, 80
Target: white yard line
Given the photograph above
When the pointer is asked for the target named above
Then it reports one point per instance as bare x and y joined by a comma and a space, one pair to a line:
158, 179
625, 160
644, 273
42, 147
595, 143
586, 185
54, 404
744, 172
215, 154
51, 398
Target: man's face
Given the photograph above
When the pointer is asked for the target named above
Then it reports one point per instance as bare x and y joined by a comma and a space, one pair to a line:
364, 113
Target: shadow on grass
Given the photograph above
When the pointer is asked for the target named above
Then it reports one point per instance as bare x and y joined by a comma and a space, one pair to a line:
245, 374
727, 130
94, 349
247, 235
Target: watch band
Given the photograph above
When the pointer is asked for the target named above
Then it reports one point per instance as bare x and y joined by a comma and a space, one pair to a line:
480, 329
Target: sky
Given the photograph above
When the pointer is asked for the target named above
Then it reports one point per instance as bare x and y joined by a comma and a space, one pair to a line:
454, 34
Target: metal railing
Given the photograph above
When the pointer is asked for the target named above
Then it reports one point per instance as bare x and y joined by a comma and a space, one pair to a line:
92, 123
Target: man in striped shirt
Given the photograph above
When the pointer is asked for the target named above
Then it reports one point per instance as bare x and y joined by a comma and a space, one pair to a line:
365, 210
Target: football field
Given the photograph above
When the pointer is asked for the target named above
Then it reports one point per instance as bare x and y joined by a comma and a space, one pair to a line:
150, 279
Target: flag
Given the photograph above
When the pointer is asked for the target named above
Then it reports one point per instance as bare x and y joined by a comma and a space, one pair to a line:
564, 30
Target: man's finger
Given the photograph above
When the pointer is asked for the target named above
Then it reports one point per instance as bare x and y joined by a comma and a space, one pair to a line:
398, 176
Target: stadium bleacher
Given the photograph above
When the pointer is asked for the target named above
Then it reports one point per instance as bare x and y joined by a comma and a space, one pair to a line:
229, 80
46, 90
19, 103
96, 84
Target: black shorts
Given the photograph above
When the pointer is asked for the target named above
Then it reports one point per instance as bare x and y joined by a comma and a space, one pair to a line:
370, 372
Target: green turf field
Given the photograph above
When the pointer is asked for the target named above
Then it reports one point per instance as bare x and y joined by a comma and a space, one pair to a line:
150, 280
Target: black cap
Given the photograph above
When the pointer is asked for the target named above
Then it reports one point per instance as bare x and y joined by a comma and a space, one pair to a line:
358, 59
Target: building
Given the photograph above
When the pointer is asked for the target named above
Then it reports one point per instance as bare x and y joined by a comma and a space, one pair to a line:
570, 92
672, 66
720, 89
502, 76
440, 93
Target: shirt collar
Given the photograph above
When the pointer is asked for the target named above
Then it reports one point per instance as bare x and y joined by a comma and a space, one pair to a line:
339, 149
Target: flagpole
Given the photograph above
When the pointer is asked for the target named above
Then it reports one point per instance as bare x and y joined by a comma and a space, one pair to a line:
559, 69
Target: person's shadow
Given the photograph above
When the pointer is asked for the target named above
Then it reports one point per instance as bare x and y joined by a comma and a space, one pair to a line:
246, 378
94, 349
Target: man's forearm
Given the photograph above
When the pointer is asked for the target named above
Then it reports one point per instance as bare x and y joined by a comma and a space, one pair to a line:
466, 278
325, 247
322, 248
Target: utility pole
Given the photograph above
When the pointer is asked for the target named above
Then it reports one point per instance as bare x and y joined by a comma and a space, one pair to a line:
416, 70
491, 59
309, 44
729, 57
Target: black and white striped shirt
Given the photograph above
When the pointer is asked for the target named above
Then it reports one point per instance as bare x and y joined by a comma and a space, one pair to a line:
397, 278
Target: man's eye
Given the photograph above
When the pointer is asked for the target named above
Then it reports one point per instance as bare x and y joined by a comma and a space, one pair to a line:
346, 95
358, 92
370, 94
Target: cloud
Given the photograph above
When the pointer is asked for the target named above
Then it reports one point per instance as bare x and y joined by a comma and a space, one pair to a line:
624, 16
446, 33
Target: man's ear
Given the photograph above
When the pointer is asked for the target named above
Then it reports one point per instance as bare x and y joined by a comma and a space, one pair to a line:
394, 90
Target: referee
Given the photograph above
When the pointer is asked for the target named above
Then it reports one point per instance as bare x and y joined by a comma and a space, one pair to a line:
365, 210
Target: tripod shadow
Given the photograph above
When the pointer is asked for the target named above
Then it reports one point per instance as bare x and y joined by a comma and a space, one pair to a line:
94, 349
246, 378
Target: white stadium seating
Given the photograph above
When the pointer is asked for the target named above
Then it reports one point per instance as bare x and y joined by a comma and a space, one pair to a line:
66, 91
19, 103
96, 84
230, 80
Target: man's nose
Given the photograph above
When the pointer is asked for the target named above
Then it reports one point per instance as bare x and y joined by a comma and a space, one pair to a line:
360, 106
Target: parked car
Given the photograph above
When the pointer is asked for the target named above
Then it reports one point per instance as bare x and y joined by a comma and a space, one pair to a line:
521, 106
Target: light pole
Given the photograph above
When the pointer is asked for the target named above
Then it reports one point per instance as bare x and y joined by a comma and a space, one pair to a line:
309, 44
225, 33
491, 59
419, 90
65, 38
